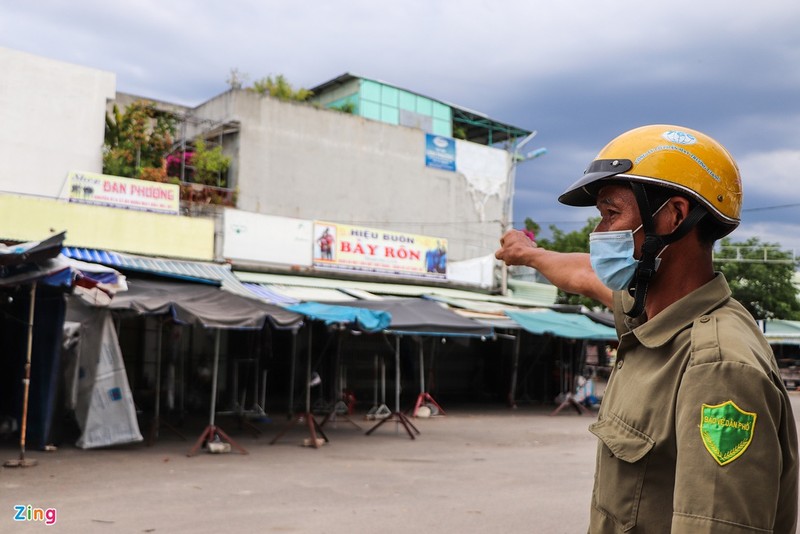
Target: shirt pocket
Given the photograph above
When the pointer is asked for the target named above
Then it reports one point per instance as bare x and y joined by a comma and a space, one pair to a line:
621, 464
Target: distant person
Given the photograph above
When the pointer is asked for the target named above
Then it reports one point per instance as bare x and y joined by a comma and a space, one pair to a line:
326, 242
695, 430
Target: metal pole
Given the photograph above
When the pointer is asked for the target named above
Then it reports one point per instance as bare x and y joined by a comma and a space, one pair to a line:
308, 373
514, 371
397, 374
421, 368
158, 373
27, 380
214, 379
293, 372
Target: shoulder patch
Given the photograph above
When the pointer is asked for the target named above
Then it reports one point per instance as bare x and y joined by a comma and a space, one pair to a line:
726, 430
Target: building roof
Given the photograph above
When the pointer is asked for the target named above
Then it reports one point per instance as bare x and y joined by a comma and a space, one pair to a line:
479, 128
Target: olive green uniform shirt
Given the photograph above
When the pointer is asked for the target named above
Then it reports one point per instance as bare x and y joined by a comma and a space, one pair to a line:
696, 432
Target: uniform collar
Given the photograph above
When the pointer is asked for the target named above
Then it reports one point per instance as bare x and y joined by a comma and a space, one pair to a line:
682, 313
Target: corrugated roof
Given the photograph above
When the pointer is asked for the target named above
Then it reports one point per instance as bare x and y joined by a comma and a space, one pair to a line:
536, 295
195, 271
781, 331
480, 127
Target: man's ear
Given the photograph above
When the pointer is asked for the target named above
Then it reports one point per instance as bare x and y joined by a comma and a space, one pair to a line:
678, 209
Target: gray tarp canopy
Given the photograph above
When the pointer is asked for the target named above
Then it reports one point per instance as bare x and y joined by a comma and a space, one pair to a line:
201, 304
425, 317
207, 306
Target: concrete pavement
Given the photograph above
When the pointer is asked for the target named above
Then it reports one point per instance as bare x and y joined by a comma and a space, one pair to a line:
475, 470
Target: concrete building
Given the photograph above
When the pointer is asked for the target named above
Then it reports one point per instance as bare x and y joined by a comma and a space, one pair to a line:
298, 160
53, 121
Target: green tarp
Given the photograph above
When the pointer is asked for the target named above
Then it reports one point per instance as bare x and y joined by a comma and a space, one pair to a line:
566, 325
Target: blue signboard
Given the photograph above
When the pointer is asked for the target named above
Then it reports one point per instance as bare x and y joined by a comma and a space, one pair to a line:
440, 152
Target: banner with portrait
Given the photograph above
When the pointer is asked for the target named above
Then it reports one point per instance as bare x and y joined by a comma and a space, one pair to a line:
356, 248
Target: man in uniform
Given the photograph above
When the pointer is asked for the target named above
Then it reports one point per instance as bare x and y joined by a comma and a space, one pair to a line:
695, 431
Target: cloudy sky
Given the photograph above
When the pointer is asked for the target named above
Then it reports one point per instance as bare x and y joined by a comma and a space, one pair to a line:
578, 72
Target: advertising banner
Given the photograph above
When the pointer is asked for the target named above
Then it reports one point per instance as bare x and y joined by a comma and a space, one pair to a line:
440, 152
118, 192
355, 248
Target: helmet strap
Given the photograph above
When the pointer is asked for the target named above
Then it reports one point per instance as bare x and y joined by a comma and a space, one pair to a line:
652, 247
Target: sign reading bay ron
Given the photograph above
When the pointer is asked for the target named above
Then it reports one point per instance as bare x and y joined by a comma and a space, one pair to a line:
356, 248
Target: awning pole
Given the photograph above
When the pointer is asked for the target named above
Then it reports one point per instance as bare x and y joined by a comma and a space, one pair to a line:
397, 415
26, 381
421, 368
213, 435
512, 394
397, 375
308, 373
306, 418
293, 372
155, 425
424, 396
214, 373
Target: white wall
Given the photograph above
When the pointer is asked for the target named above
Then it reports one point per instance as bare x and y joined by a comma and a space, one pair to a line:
53, 120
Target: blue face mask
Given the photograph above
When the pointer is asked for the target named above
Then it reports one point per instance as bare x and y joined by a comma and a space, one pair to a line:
611, 254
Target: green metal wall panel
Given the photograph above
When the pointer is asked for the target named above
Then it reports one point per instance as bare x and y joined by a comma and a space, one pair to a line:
442, 127
440, 111
424, 106
408, 101
389, 96
370, 90
390, 115
370, 110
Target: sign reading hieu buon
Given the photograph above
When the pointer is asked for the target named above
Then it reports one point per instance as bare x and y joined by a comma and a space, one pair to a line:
356, 248
118, 192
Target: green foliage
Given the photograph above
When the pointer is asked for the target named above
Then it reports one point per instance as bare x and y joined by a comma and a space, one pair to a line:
280, 88
136, 139
760, 276
209, 165
347, 107
576, 241
459, 132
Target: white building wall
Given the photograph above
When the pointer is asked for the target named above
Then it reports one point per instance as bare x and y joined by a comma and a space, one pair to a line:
296, 160
53, 120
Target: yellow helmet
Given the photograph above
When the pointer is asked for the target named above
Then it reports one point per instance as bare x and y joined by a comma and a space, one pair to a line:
670, 156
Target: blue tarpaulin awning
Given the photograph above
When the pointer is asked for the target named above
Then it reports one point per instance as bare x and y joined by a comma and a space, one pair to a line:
367, 320
566, 325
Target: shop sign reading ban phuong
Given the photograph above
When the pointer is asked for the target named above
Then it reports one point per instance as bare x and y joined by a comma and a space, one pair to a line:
118, 192
356, 248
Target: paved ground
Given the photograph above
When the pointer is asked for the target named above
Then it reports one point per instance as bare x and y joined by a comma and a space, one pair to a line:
476, 470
